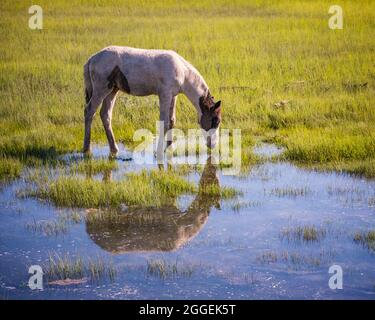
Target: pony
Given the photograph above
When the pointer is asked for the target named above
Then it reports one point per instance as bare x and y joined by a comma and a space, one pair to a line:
143, 72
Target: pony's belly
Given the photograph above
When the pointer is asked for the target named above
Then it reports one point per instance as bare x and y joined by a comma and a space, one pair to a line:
141, 91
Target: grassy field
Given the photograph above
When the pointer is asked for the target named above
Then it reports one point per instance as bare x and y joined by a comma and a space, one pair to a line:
253, 54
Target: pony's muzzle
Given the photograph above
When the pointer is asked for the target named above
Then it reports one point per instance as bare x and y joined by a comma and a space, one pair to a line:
211, 140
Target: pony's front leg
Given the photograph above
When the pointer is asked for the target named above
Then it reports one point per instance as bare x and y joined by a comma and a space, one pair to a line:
166, 101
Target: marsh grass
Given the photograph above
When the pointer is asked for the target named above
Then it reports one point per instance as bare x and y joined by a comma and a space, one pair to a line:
154, 188
366, 239
10, 168
66, 267
297, 259
163, 269
303, 234
325, 77
99, 269
361, 168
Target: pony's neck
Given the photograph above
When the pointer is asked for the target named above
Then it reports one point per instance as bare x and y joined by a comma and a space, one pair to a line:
194, 87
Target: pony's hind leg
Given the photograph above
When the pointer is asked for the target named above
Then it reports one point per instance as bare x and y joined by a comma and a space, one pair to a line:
90, 110
106, 116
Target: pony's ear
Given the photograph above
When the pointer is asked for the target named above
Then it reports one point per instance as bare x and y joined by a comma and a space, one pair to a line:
217, 105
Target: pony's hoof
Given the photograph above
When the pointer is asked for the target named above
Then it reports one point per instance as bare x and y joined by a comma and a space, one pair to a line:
87, 153
113, 153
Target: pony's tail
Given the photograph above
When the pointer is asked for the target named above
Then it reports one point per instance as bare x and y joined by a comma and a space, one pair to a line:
87, 82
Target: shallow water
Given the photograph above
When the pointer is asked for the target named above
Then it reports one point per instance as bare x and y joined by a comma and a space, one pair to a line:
242, 248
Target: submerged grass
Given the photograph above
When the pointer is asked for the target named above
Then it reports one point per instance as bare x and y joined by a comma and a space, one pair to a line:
57, 227
290, 191
303, 234
47, 227
93, 166
222, 191
239, 205
164, 269
289, 79
297, 260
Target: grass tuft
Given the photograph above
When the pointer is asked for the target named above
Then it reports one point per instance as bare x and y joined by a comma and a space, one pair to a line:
65, 267
148, 189
367, 239
10, 169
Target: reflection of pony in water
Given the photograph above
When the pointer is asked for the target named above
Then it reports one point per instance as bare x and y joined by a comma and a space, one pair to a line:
162, 229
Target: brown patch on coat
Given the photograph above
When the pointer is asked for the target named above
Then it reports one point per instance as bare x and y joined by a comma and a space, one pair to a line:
118, 80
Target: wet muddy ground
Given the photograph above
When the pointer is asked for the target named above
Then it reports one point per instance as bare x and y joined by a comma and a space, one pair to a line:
276, 240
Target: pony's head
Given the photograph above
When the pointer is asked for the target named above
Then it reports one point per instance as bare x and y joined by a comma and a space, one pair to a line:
210, 117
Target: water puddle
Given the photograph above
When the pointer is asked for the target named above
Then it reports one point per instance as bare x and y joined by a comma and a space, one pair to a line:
267, 150
276, 240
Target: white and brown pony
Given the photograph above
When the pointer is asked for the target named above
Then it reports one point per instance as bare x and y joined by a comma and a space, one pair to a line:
141, 72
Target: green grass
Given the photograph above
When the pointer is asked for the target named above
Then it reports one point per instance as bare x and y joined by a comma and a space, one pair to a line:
364, 168
154, 188
330, 144
10, 169
253, 55
149, 189
64, 267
